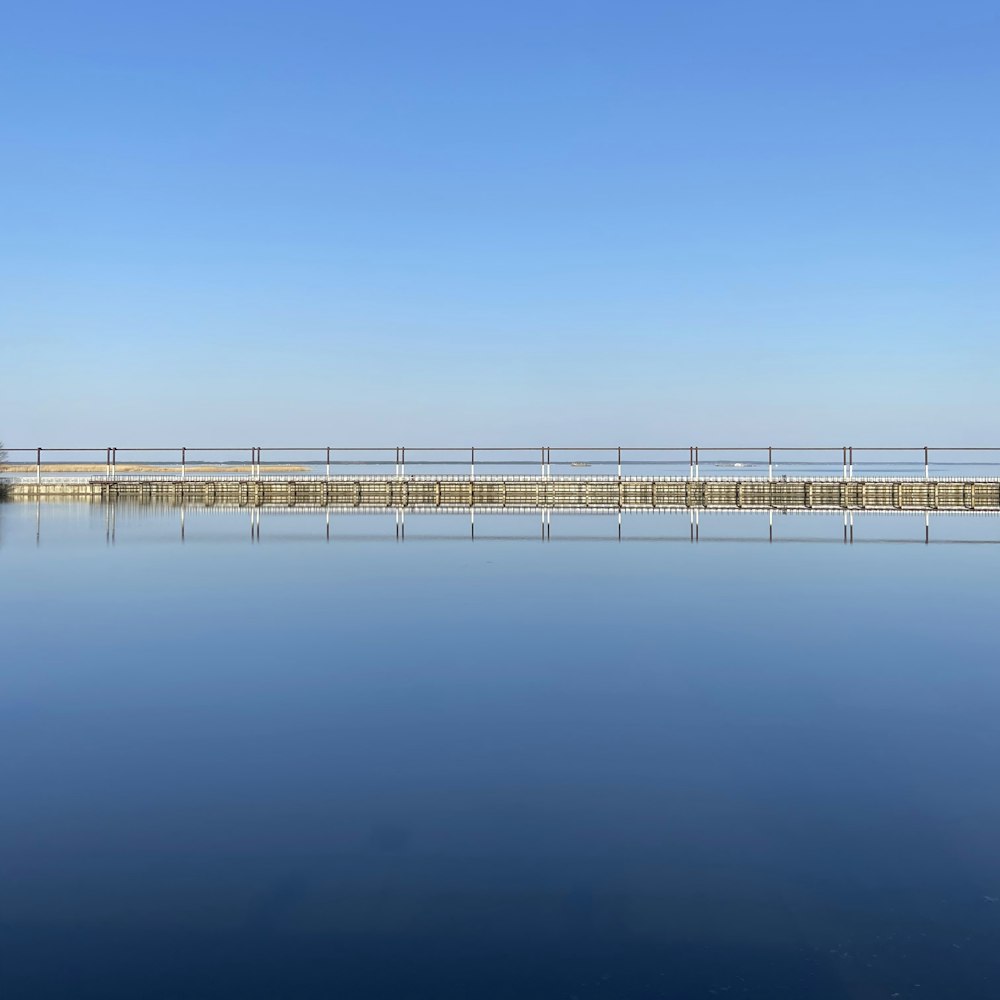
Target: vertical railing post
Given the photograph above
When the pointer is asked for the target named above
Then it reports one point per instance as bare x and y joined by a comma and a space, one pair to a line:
38, 467
114, 463
472, 463
844, 456
183, 463
850, 462
328, 475
697, 470
691, 463
402, 461
927, 463
619, 493
770, 462
548, 511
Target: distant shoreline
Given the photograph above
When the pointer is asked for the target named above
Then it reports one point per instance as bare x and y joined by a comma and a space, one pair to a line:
68, 468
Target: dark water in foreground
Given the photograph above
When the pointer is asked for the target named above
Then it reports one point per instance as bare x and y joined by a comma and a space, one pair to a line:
501, 769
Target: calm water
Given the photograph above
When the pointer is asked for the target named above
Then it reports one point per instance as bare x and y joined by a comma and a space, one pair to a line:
359, 768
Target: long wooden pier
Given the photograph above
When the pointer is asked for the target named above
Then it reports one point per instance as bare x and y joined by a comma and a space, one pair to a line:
532, 493
919, 479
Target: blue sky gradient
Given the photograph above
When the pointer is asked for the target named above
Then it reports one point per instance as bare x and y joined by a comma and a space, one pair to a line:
446, 223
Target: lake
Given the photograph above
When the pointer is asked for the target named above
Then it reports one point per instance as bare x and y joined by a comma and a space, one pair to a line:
325, 761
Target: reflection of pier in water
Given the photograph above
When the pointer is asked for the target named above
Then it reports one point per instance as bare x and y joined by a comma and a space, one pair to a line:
777, 526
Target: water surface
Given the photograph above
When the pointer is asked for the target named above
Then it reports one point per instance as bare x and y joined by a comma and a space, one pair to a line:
296, 767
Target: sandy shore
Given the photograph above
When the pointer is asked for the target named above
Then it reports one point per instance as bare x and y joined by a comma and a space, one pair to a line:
85, 468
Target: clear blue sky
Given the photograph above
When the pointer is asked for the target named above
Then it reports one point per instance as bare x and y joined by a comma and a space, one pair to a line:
465, 222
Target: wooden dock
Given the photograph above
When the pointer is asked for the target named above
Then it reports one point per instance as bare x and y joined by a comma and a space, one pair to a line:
531, 493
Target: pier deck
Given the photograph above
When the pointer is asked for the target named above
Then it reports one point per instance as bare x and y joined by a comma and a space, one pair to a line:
583, 493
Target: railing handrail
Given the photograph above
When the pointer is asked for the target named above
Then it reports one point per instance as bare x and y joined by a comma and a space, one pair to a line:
535, 449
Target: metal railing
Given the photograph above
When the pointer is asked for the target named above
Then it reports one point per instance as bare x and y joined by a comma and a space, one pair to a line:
842, 461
